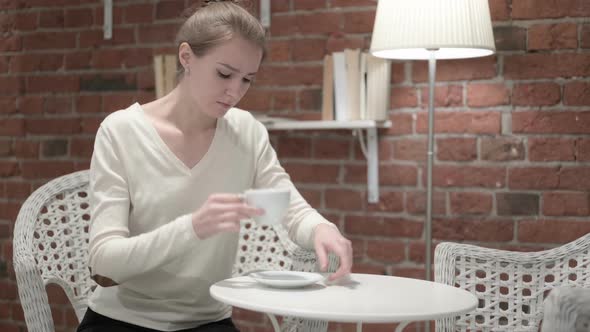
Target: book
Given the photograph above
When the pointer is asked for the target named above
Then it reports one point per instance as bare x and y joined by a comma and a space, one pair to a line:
340, 87
353, 82
165, 70
378, 87
328, 89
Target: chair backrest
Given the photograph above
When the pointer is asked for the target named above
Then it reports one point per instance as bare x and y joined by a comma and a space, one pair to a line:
51, 246
511, 286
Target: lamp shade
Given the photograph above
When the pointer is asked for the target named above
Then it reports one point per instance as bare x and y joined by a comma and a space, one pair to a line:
408, 29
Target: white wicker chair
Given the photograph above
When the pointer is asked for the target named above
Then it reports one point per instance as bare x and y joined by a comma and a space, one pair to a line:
511, 286
50, 246
567, 309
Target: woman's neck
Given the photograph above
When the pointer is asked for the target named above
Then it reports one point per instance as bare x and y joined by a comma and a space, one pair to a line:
184, 115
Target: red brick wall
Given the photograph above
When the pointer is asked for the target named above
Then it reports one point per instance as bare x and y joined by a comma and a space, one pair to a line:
513, 129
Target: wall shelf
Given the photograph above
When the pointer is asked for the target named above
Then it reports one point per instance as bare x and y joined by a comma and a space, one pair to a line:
370, 151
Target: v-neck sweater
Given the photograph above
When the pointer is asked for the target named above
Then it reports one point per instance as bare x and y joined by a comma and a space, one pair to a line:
142, 199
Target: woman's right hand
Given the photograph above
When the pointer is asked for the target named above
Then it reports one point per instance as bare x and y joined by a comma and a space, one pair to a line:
222, 213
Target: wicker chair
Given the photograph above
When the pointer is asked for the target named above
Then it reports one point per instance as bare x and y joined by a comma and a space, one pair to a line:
567, 309
511, 286
50, 246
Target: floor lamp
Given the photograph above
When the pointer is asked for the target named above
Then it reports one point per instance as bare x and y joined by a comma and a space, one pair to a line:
431, 30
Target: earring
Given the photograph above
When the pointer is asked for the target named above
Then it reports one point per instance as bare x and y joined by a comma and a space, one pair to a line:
188, 71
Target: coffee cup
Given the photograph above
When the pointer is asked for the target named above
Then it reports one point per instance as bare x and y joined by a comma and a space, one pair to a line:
274, 202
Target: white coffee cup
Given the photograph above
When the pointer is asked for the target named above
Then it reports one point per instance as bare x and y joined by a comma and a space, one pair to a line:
274, 202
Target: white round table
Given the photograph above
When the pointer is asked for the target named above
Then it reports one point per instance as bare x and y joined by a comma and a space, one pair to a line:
365, 298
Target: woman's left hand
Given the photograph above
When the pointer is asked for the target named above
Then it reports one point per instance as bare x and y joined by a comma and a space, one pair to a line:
327, 239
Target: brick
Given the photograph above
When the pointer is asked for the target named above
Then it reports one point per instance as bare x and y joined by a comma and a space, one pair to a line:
88, 104
18, 190
385, 148
487, 95
6, 148
54, 83
559, 122
49, 40
546, 65
12, 127
283, 25
577, 93
26, 149
343, 199
416, 202
319, 23
80, 17
473, 230
510, 38
157, 33
444, 96
26, 21
533, 178
139, 13
456, 149
535, 9
309, 4
106, 82
57, 105
386, 251
464, 122
367, 268
551, 231
410, 149
279, 6
170, 9
470, 203
95, 39
502, 148
583, 149
553, 36
404, 97
30, 105
326, 148
52, 19
90, 125
468, 176
585, 36
352, 3
8, 105
393, 175
53, 126
308, 49
517, 204
309, 99
81, 147
457, 70
11, 85
339, 41
279, 50
117, 101
78, 60
36, 62
46, 169
55, 148
9, 168
566, 204
552, 149
290, 75
359, 21
574, 178
108, 59
310, 173
401, 123
389, 201
499, 10
11, 43
536, 94
294, 147
283, 100
382, 227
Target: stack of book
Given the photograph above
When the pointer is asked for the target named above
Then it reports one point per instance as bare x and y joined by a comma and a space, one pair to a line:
355, 86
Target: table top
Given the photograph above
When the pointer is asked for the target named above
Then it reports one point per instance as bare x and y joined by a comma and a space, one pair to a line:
366, 298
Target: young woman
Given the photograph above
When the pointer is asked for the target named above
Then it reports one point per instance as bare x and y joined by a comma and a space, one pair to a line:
165, 185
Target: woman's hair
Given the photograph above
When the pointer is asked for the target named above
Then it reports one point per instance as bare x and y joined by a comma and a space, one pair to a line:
211, 22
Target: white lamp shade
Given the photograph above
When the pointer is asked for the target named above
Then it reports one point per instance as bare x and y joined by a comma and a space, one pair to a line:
408, 29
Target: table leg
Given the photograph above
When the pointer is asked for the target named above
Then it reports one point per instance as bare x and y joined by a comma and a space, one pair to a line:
359, 327
401, 326
275, 323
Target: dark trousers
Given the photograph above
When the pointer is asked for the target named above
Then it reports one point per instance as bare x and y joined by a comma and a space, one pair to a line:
95, 322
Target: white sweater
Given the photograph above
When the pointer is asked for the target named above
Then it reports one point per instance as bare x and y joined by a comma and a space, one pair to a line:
142, 197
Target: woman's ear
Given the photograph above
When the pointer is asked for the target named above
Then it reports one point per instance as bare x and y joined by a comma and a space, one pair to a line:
184, 54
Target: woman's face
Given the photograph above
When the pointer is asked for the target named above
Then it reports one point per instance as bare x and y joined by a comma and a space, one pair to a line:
220, 78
